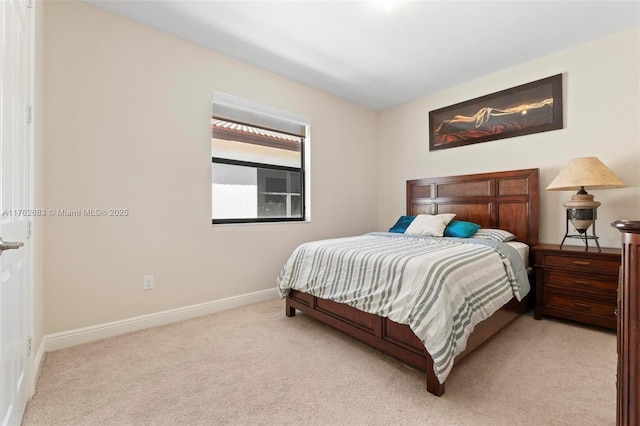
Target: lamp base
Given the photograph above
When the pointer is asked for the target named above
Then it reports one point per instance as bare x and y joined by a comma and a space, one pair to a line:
582, 219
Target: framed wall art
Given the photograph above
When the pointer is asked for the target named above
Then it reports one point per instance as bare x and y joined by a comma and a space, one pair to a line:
522, 110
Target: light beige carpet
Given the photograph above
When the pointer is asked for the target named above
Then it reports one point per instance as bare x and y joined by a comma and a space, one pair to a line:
254, 366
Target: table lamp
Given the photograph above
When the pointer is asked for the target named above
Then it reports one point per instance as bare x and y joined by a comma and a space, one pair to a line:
580, 174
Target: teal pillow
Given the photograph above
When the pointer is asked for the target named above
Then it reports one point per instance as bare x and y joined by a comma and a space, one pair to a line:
402, 224
460, 229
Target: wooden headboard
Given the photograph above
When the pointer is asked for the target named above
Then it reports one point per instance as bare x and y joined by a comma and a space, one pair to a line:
506, 200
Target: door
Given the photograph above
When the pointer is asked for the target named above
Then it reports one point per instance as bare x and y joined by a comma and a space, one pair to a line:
15, 202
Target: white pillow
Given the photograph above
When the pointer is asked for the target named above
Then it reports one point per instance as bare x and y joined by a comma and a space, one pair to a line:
431, 225
494, 234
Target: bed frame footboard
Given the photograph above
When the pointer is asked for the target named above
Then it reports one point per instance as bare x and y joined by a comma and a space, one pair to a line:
397, 340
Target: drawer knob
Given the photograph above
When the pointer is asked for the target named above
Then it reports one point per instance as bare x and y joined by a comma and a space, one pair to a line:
581, 262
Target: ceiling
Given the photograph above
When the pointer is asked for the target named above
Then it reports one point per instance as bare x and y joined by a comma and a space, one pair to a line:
380, 58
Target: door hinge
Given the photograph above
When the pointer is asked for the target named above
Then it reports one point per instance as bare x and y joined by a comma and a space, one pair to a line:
29, 114
29, 345
29, 229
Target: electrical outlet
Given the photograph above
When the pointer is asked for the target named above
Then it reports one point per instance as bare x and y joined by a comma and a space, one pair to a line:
147, 283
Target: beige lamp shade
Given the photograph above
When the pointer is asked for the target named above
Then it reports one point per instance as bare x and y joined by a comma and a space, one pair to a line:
587, 173
581, 173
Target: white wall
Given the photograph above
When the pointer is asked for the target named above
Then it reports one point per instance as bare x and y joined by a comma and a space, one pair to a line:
601, 109
128, 114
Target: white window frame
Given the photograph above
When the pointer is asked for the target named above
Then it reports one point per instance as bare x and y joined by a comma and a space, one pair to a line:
234, 109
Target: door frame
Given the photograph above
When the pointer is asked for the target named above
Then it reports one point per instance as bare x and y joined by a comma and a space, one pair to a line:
28, 183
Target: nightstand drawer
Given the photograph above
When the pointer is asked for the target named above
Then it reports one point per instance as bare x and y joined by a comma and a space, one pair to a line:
582, 263
584, 283
579, 306
577, 284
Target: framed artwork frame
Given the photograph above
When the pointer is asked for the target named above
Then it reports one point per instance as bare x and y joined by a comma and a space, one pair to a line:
522, 110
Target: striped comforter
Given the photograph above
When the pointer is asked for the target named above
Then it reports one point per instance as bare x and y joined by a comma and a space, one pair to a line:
440, 287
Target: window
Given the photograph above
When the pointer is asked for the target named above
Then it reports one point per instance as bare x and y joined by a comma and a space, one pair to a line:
258, 165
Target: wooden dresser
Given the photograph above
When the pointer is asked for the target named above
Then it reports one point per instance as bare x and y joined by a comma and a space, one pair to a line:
577, 284
628, 382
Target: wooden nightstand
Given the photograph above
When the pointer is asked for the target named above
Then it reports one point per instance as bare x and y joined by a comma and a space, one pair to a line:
576, 284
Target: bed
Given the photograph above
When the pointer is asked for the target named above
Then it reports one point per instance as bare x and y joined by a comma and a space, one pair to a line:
506, 200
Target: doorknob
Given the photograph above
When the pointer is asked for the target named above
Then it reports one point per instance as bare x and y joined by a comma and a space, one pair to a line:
9, 246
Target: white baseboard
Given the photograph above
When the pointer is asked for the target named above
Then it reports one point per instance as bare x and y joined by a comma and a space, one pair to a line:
67, 339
